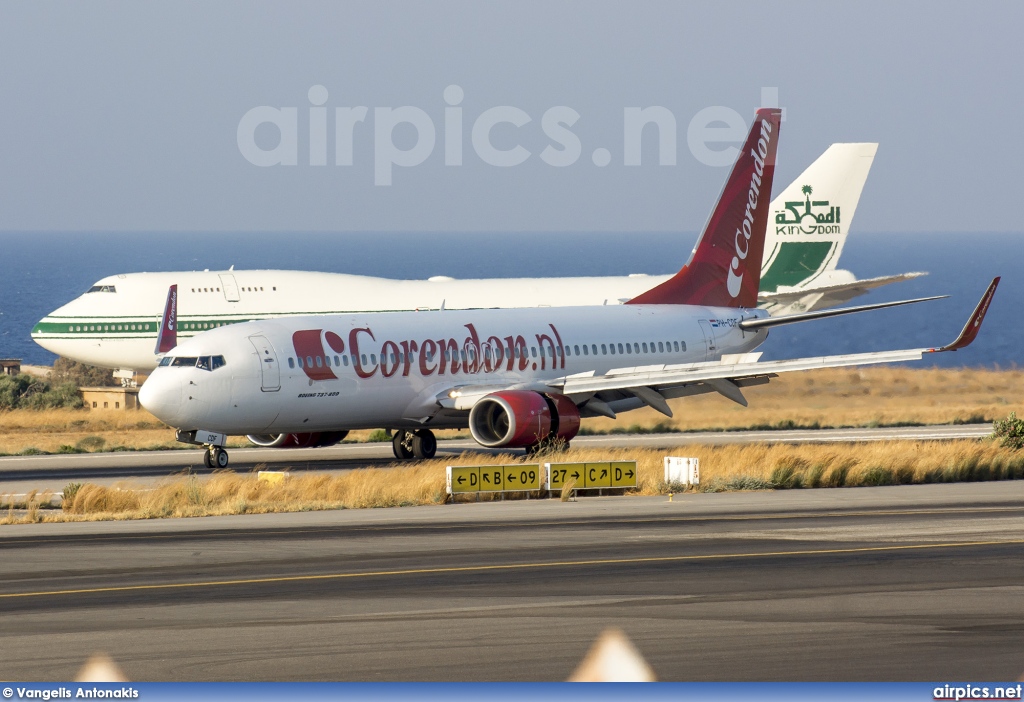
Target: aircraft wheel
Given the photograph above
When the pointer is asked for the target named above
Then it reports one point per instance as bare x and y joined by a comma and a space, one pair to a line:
208, 458
424, 444
220, 457
401, 444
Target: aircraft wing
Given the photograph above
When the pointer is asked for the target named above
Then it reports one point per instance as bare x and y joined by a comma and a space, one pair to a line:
821, 297
653, 385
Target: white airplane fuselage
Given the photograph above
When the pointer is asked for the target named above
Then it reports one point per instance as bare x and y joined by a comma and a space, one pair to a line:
373, 370
115, 326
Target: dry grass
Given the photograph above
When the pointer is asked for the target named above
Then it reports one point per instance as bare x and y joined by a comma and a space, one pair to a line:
883, 396
739, 467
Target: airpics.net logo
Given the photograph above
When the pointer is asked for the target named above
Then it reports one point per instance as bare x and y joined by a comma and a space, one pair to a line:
711, 134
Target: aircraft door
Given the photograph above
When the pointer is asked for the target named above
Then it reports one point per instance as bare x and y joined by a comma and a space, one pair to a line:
230, 287
709, 340
271, 373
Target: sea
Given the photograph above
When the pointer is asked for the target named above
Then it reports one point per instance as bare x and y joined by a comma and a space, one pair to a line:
39, 271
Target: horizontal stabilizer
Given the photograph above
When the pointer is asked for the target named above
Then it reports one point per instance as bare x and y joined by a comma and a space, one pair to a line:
852, 289
822, 314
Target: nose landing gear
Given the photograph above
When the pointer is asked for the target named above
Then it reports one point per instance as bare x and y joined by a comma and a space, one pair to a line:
215, 457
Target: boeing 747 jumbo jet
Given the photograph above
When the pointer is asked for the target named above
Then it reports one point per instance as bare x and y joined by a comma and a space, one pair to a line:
515, 377
114, 325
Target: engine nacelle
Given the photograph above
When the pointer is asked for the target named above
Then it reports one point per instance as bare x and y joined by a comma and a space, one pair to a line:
520, 418
310, 440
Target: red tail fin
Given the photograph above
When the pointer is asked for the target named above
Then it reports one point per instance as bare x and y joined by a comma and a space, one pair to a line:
725, 268
167, 337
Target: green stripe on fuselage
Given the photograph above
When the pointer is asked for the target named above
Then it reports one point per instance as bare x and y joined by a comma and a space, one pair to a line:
795, 263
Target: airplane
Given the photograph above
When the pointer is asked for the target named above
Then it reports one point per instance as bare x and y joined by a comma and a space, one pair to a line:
517, 378
114, 325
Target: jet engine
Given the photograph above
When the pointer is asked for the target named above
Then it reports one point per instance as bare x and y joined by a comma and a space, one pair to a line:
522, 418
311, 440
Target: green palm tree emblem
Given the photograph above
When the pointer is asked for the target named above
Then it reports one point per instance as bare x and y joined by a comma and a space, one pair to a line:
807, 190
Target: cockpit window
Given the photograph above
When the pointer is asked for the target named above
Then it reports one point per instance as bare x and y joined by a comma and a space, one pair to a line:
103, 288
208, 363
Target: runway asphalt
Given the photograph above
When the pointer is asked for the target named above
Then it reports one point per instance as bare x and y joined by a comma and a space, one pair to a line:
896, 583
19, 474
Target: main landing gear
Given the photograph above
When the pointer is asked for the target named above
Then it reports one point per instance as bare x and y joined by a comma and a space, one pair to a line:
414, 444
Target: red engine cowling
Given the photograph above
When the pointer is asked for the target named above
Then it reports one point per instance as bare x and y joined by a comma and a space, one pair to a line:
565, 416
310, 440
520, 418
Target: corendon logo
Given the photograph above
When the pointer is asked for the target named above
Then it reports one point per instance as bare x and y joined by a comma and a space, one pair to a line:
166, 338
471, 355
309, 347
735, 278
172, 311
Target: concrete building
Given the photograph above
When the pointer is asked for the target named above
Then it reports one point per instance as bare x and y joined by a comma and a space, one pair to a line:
111, 398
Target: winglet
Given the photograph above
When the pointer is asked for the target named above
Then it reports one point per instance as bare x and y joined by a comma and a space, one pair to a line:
973, 326
167, 337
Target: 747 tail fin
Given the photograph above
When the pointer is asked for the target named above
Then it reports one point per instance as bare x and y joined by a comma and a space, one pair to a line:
725, 267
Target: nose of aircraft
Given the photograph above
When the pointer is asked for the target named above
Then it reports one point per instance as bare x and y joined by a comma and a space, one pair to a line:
161, 396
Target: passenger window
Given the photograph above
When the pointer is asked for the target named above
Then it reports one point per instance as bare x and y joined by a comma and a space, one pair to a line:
576, 348
585, 350
301, 365
309, 361
337, 361
645, 347
373, 358
604, 349
291, 362
620, 348
684, 345
344, 359
319, 361
364, 359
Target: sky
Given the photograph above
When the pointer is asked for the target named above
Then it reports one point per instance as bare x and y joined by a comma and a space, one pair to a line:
154, 117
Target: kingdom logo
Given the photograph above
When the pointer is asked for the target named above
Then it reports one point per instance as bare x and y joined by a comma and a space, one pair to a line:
816, 217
